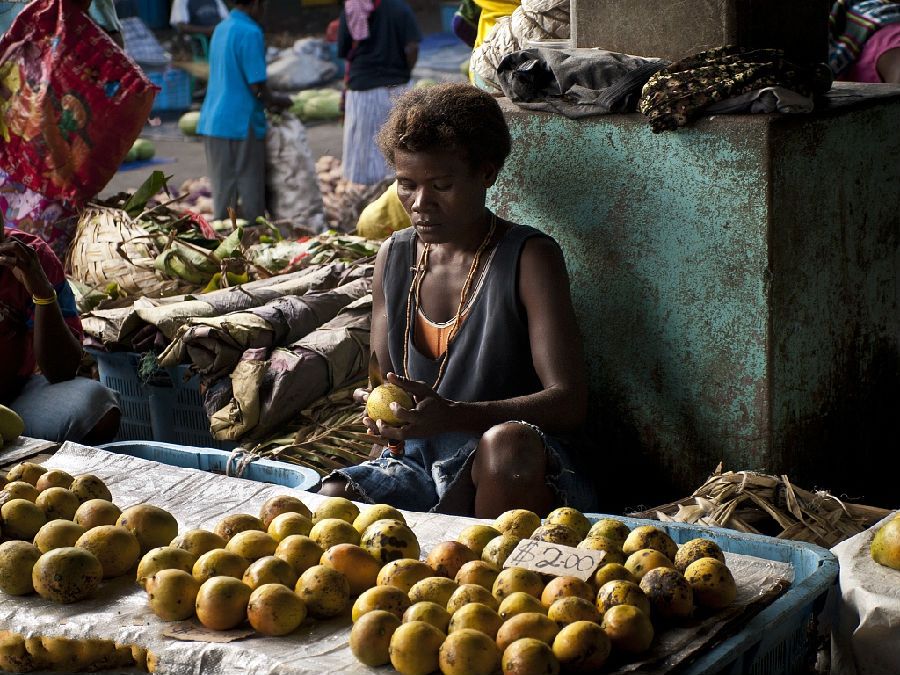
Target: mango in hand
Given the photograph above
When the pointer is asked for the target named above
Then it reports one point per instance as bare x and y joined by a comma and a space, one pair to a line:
378, 405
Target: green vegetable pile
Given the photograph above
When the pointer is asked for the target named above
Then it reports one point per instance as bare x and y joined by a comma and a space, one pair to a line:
141, 150
206, 256
317, 104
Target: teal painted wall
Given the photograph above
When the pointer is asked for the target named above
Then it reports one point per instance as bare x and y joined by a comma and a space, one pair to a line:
681, 294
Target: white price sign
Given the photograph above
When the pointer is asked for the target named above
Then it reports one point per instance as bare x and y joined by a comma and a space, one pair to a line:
555, 559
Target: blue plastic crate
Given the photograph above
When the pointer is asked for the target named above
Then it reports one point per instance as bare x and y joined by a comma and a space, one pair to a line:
216, 461
168, 407
781, 639
177, 414
175, 89
119, 372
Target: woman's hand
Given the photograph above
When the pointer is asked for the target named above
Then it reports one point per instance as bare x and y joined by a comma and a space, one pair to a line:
26, 267
361, 395
432, 413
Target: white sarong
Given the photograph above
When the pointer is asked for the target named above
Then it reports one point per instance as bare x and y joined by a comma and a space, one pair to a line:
365, 112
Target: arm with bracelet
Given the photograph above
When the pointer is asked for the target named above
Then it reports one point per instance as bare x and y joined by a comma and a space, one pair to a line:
57, 350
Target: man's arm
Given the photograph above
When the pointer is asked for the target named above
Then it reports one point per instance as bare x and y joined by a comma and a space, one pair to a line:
252, 57
271, 100
412, 54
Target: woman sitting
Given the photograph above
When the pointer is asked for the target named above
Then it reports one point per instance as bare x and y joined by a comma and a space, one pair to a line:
40, 329
472, 316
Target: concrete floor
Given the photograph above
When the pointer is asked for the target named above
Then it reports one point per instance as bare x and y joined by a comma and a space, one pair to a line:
189, 160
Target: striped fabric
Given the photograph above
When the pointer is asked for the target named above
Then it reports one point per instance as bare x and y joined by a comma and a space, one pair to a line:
851, 23
357, 13
364, 114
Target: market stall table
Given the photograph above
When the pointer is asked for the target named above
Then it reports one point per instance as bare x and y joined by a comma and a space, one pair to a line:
24, 448
199, 499
866, 639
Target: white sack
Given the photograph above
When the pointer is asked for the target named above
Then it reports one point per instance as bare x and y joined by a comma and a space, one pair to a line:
294, 197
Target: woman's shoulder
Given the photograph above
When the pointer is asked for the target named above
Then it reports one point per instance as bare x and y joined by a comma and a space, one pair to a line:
536, 250
404, 235
398, 246
526, 234
401, 240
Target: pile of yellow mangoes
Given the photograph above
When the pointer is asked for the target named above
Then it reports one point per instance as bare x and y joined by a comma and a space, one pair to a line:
62, 535
275, 569
458, 610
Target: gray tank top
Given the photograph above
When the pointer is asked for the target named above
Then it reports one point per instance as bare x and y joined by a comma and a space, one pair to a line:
490, 357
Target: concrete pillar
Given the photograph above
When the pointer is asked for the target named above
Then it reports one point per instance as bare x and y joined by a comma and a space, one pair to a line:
673, 30
736, 283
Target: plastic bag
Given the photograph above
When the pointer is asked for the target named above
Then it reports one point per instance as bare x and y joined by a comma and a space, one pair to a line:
384, 216
71, 102
307, 64
295, 201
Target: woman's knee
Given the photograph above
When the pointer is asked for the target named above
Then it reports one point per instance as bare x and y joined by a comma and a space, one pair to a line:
338, 486
106, 429
334, 487
510, 450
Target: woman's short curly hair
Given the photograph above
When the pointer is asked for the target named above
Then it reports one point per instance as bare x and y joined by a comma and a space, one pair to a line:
447, 116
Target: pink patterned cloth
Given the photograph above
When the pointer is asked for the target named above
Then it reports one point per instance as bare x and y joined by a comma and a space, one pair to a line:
33, 213
358, 12
865, 68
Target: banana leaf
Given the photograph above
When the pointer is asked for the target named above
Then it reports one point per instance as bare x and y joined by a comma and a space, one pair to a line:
155, 182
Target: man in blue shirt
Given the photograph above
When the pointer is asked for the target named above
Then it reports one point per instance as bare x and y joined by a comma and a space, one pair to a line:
232, 118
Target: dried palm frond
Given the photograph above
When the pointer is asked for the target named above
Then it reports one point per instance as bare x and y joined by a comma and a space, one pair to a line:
331, 435
748, 501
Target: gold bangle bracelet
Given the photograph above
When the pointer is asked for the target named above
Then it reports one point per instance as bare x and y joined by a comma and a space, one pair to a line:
44, 301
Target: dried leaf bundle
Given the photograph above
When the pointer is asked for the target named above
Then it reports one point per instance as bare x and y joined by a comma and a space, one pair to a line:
331, 435
759, 503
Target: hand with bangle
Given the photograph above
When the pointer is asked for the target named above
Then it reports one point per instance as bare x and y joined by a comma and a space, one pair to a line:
25, 266
43, 302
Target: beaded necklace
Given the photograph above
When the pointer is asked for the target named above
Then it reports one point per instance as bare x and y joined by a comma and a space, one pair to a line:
413, 295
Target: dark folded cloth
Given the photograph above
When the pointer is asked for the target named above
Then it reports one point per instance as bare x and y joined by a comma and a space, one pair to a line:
575, 82
680, 93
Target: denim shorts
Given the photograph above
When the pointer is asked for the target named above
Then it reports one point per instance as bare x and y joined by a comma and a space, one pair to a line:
65, 411
419, 479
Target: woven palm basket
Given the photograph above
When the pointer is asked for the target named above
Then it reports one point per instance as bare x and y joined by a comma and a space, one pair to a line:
110, 247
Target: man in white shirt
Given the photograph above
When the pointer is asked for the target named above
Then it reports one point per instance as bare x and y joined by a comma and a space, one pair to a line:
197, 16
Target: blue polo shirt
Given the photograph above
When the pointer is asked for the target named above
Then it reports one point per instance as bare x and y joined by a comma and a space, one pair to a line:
237, 59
